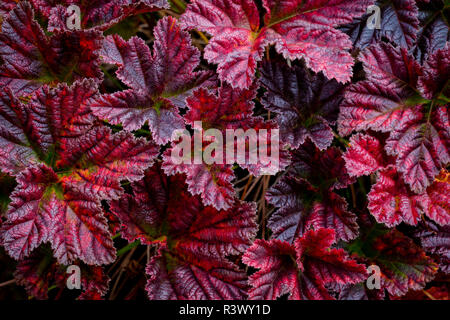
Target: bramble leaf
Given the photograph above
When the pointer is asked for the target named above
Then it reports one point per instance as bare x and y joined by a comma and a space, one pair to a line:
404, 265
301, 270
193, 241
395, 99
158, 81
30, 58
78, 162
306, 104
299, 29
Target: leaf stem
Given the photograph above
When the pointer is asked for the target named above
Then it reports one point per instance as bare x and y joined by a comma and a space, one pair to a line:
128, 247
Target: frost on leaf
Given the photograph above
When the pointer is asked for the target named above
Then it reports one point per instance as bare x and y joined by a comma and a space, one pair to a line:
193, 242
299, 29
395, 99
301, 270
76, 163
158, 82
404, 265
306, 104
29, 57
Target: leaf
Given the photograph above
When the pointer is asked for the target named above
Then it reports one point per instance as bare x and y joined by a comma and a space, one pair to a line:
404, 265
365, 155
304, 196
79, 163
360, 292
391, 201
436, 240
306, 104
230, 111
6, 6
435, 78
94, 282
37, 272
193, 241
13, 142
290, 220
432, 36
30, 58
298, 30
211, 182
422, 145
301, 207
378, 102
323, 169
98, 14
332, 213
301, 270
390, 101
158, 81
399, 24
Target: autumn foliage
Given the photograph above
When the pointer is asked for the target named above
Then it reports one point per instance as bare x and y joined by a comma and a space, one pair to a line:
86, 132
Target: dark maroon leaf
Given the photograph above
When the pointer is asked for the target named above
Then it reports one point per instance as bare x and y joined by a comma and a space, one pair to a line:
306, 104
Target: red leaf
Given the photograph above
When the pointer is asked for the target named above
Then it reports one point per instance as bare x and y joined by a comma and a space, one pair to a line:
37, 273
231, 109
6, 6
31, 58
377, 102
398, 23
58, 200
436, 74
421, 144
211, 182
158, 82
389, 101
304, 196
391, 201
99, 14
404, 265
15, 151
301, 270
323, 169
436, 240
365, 155
193, 241
297, 30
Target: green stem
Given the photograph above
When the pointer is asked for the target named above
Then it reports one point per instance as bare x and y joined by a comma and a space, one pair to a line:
128, 247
